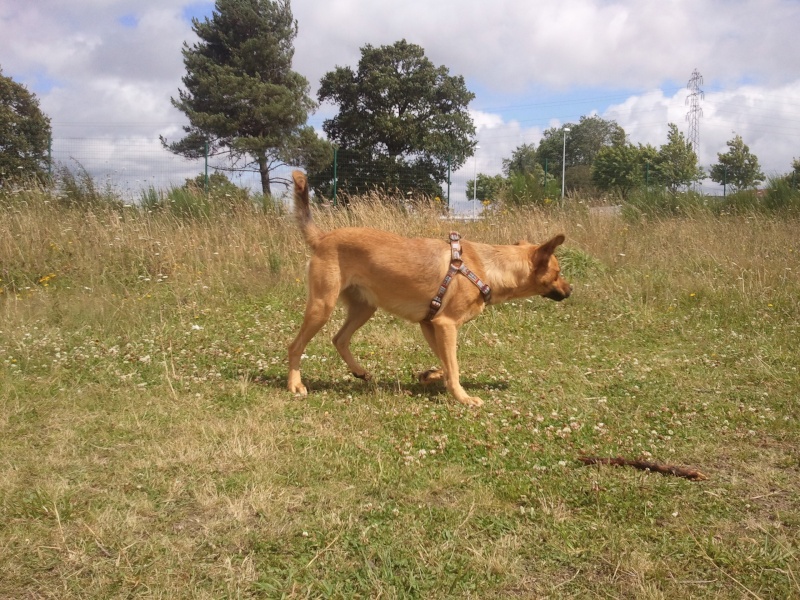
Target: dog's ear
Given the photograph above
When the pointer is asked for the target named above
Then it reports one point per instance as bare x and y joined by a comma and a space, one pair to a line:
542, 254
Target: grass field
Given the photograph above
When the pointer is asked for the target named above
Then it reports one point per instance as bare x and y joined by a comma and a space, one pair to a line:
148, 448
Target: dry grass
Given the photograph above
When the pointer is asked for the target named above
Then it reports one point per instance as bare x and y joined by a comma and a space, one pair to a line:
148, 449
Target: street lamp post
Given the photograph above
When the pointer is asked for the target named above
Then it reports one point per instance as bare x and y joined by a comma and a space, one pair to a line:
564, 163
475, 182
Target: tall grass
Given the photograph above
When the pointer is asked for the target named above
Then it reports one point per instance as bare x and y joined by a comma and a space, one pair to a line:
115, 245
781, 198
148, 448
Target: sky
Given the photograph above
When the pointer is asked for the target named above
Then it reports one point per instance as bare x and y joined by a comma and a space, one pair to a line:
104, 71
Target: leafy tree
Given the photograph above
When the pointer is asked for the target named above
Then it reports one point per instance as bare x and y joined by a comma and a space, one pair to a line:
578, 178
591, 135
522, 161
584, 140
792, 178
24, 132
242, 96
528, 188
738, 167
526, 182
794, 175
676, 162
401, 123
489, 187
622, 168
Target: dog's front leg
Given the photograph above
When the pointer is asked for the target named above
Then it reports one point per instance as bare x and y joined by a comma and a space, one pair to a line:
447, 344
435, 374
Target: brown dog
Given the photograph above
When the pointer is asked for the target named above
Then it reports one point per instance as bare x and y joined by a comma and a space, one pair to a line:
368, 269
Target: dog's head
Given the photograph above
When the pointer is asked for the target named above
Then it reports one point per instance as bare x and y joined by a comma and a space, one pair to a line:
547, 271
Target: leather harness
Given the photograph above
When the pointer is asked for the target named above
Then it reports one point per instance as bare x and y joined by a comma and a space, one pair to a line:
457, 266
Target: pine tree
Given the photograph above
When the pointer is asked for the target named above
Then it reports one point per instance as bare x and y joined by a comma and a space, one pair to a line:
242, 96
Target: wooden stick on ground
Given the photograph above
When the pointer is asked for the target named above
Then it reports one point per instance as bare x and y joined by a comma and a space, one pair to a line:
644, 465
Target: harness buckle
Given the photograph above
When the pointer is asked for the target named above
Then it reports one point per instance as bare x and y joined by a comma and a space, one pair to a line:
455, 247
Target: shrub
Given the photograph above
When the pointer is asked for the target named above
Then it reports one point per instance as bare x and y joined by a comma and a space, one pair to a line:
657, 203
75, 188
739, 203
526, 189
783, 195
198, 199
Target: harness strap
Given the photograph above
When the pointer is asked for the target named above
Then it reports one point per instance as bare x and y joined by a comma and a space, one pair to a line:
457, 266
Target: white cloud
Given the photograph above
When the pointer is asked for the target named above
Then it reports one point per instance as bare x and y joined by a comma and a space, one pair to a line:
513, 44
767, 118
499, 138
108, 68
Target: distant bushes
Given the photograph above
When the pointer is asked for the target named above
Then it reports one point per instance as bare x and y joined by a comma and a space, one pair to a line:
200, 199
661, 203
75, 188
781, 197
527, 189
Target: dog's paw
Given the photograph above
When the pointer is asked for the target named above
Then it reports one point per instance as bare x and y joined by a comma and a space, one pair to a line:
298, 389
472, 401
366, 375
430, 376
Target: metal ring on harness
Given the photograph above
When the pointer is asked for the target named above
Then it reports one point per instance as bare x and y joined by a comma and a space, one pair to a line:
457, 266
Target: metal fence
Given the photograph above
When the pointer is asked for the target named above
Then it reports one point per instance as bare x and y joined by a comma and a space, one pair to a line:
128, 166
133, 165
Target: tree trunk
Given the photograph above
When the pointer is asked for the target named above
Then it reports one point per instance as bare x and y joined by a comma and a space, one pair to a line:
264, 172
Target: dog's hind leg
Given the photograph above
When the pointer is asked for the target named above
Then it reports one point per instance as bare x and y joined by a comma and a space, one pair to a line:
358, 313
435, 374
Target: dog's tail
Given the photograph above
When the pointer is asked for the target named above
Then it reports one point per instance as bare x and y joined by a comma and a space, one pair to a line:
302, 211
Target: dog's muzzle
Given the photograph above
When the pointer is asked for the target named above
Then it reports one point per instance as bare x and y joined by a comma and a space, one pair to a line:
558, 295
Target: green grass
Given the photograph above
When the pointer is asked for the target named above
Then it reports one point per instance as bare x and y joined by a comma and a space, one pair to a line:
148, 448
